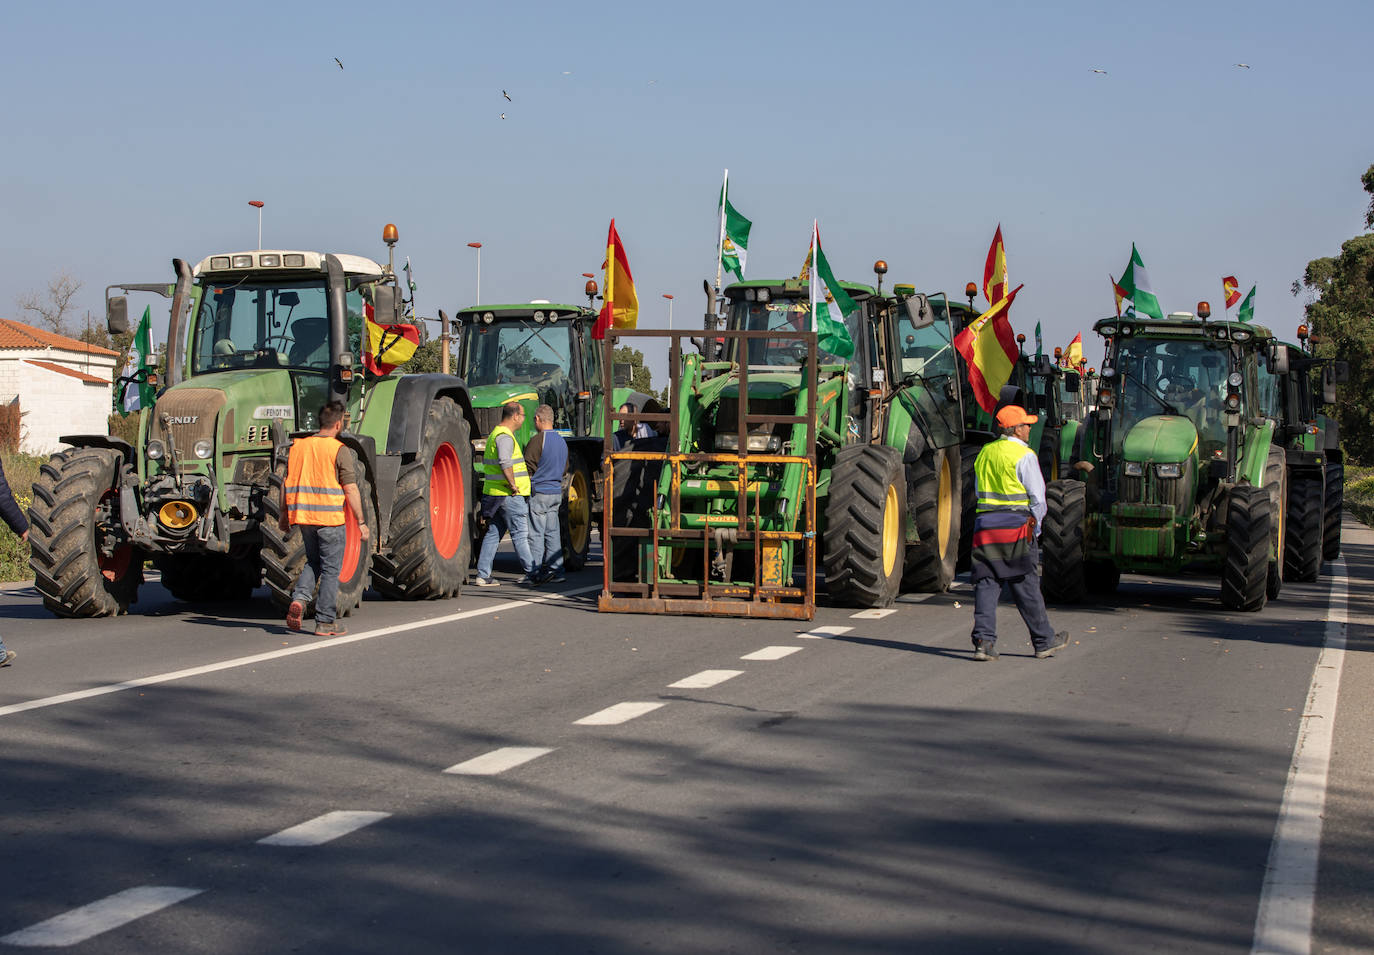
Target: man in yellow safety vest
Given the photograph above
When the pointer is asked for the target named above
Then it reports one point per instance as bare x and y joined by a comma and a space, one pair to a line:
505, 497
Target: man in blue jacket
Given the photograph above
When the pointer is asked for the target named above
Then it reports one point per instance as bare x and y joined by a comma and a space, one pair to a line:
14, 517
548, 453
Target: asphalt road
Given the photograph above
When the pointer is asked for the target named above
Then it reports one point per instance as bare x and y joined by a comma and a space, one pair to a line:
450, 777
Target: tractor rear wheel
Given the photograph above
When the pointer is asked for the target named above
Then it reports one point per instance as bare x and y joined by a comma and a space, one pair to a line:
430, 542
633, 486
1048, 456
283, 555
1064, 576
200, 578
79, 566
865, 517
935, 505
575, 514
1245, 564
968, 498
1276, 483
1302, 550
1334, 479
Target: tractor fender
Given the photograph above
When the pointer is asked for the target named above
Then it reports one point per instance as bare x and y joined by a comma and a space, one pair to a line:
101, 441
414, 394
1255, 457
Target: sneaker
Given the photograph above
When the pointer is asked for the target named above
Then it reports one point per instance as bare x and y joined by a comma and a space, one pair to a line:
8, 658
983, 650
485, 582
294, 613
331, 629
1061, 640
530, 580
555, 578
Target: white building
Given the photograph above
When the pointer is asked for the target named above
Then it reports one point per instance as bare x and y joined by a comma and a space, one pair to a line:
63, 385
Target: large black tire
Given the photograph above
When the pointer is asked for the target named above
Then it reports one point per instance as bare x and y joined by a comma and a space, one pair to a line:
968, 496
75, 510
1276, 483
1302, 551
935, 504
575, 514
201, 578
430, 543
1331, 511
633, 488
283, 555
865, 518
1063, 559
1245, 563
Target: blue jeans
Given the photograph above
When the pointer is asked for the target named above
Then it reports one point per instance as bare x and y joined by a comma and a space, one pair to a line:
1029, 601
514, 516
546, 533
324, 550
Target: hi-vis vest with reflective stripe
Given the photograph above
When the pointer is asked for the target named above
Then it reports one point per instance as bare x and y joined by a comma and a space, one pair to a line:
313, 493
493, 479
999, 489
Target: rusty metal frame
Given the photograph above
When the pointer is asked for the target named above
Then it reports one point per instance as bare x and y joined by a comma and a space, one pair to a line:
704, 597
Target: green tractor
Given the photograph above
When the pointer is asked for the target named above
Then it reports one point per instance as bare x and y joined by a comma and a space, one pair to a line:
1184, 472
773, 446
257, 342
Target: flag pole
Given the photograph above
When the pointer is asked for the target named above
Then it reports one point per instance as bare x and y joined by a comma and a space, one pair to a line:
720, 238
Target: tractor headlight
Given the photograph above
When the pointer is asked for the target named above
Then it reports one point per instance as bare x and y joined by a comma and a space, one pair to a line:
1169, 470
1241, 334
156, 451
539, 318
203, 448
1133, 469
755, 442
727, 442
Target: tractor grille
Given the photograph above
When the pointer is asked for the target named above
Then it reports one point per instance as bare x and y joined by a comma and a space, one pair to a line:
487, 418
727, 411
192, 411
1151, 489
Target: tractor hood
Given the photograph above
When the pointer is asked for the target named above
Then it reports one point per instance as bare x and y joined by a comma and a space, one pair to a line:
494, 396
766, 385
1163, 438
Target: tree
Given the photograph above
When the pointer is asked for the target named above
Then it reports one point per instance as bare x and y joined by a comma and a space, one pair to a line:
641, 379
426, 359
1341, 292
50, 311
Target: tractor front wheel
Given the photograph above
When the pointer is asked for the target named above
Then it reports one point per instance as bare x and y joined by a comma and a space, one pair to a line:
1064, 577
864, 520
575, 514
934, 502
1334, 479
1302, 550
1245, 564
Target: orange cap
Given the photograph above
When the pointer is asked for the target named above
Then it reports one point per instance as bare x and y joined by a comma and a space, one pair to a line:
1013, 415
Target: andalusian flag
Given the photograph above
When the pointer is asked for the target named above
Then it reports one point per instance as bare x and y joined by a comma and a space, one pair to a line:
1075, 351
829, 303
1247, 307
989, 348
1039, 343
1231, 287
620, 308
1135, 281
995, 270
1118, 293
734, 234
386, 347
132, 390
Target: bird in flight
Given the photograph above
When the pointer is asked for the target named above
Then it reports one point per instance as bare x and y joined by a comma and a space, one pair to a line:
1103, 72
503, 115
340, 62
507, 96
1243, 66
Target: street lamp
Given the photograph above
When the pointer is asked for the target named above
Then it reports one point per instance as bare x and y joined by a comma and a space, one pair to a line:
258, 204
670, 310
478, 247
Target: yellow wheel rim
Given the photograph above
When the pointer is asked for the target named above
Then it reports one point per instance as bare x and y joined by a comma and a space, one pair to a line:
892, 531
944, 508
579, 513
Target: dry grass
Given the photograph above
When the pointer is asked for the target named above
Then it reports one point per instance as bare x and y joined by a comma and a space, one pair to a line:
21, 470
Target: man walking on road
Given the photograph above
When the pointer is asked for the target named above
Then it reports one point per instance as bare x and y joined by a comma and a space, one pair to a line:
1010, 510
13, 516
505, 497
548, 452
320, 478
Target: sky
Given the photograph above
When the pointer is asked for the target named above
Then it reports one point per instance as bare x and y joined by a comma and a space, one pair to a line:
138, 132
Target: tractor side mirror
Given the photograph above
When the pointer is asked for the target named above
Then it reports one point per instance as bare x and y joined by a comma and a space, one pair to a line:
117, 315
1329, 384
919, 311
1072, 383
621, 373
1044, 366
1278, 359
385, 304
1341, 371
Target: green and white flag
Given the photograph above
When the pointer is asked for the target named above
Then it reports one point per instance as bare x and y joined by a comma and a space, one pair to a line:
734, 234
1039, 342
1136, 283
133, 391
1247, 307
829, 303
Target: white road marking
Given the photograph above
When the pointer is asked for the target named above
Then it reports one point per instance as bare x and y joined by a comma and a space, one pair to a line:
620, 713
326, 828
1284, 921
822, 632
327, 644
874, 614
498, 760
88, 921
771, 653
705, 678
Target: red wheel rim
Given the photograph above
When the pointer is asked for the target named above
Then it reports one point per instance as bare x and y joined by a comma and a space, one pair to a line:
353, 546
446, 501
115, 566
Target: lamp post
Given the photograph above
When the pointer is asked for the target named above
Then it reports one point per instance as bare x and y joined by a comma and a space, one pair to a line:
670, 310
258, 204
478, 247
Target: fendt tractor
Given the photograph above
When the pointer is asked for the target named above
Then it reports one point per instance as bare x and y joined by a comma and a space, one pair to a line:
1186, 472
257, 342
773, 446
542, 353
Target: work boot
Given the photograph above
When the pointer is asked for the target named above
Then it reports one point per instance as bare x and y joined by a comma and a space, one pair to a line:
1059, 641
7, 658
331, 629
984, 650
294, 613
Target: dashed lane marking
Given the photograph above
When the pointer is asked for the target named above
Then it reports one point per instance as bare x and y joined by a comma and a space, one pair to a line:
771, 653
326, 828
821, 632
327, 644
620, 713
704, 679
88, 921
498, 760
874, 614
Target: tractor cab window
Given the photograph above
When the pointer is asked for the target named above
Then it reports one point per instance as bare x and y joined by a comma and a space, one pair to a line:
522, 353
782, 315
277, 325
925, 353
1186, 378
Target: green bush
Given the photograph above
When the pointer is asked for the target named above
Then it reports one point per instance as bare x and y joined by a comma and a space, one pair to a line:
21, 470
1359, 493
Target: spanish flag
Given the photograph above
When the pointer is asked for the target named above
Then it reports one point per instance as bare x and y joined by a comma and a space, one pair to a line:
995, 270
1231, 287
1075, 352
387, 346
621, 305
989, 348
